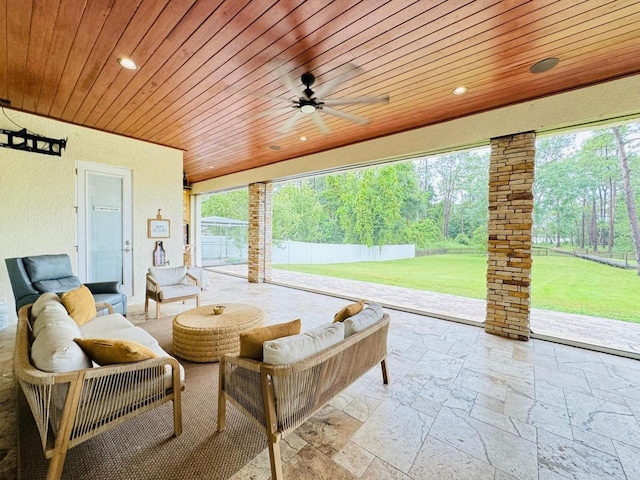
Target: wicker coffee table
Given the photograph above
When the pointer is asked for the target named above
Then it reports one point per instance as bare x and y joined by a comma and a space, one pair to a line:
201, 336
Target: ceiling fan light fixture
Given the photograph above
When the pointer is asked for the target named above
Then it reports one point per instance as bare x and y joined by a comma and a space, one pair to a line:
460, 90
127, 63
303, 139
307, 109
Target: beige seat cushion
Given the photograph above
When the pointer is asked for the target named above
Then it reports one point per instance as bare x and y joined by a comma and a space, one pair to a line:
177, 291
105, 326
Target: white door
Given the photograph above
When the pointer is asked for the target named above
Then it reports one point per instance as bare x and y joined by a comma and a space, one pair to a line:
104, 225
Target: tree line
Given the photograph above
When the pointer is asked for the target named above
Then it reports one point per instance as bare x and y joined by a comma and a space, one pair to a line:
584, 196
430, 202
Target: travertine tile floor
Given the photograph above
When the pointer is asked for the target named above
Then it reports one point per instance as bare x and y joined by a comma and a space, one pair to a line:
461, 404
602, 332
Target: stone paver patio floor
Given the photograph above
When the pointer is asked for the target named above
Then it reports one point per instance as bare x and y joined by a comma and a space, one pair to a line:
600, 332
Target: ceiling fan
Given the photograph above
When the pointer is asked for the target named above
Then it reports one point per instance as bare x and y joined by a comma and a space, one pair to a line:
310, 102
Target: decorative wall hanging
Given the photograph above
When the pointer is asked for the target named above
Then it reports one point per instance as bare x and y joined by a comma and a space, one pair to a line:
158, 227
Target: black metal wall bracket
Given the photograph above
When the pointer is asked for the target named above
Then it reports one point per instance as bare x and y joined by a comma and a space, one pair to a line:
29, 142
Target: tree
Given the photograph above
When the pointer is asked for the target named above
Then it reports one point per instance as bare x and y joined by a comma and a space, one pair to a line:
554, 188
299, 214
629, 194
234, 204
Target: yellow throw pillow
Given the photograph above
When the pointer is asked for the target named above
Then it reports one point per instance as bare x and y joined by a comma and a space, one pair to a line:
79, 304
348, 311
107, 351
251, 340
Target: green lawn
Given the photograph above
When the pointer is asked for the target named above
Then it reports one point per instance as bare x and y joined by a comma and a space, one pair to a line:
564, 284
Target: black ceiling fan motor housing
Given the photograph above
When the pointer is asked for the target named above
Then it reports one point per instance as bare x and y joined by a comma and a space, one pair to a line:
307, 80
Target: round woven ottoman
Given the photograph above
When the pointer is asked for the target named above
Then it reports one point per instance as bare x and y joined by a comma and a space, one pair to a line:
201, 336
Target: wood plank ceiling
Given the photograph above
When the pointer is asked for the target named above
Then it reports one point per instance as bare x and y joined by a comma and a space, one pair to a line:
208, 68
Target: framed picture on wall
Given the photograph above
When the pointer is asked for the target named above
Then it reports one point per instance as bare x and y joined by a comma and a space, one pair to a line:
157, 228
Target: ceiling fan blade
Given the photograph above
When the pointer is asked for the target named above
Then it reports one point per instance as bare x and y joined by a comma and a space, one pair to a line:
353, 101
317, 119
347, 116
271, 111
351, 70
289, 82
291, 122
271, 97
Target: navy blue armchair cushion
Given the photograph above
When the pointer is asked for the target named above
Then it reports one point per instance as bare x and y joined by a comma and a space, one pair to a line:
31, 276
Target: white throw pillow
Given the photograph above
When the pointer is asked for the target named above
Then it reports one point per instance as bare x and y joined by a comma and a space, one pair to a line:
55, 351
362, 320
52, 315
296, 347
43, 301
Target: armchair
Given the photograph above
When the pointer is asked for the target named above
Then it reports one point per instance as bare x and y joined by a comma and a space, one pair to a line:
32, 276
170, 284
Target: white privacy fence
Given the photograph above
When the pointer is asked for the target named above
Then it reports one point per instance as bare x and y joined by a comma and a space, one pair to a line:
321, 253
221, 250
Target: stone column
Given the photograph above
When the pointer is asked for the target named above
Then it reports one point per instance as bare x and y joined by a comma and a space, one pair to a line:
260, 236
511, 172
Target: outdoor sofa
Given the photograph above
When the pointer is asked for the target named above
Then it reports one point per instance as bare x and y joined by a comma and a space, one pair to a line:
280, 397
73, 398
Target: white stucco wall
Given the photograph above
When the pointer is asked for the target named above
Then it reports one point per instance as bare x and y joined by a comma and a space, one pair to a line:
38, 195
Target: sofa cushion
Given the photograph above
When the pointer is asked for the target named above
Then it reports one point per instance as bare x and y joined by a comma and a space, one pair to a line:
58, 285
251, 341
362, 320
55, 351
296, 347
47, 267
348, 311
108, 351
135, 334
80, 304
169, 275
43, 301
53, 316
177, 291
101, 327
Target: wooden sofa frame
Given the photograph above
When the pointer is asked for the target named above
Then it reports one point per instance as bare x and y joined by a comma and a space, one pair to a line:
96, 399
279, 398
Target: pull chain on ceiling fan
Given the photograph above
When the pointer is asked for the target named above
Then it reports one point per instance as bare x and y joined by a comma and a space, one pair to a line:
311, 102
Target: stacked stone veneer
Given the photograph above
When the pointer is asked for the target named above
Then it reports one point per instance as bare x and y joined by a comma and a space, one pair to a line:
511, 173
260, 233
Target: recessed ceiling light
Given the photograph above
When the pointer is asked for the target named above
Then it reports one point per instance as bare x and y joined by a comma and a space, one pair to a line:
544, 65
303, 139
460, 90
127, 63
274, 147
